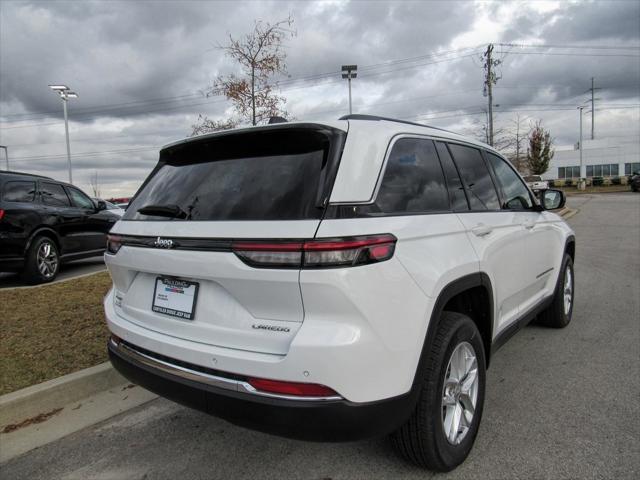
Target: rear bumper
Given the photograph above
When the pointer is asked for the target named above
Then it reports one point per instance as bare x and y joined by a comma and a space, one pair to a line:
315, 419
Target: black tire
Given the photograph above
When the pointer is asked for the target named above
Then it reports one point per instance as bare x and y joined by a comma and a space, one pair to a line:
32, 273
422, 440
556, 316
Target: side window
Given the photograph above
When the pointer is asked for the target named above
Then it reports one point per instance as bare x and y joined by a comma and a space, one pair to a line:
413, 181
53, 194
79, 199
19, 192
516, 194
454, 184
476, 177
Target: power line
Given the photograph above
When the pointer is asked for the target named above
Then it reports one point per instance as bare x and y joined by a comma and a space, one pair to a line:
112, 105
581, 47
81, 155
567, 54
90, 111
424, 116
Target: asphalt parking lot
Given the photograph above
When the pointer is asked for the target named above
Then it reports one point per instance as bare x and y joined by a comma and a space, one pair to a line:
67, 271
560, 403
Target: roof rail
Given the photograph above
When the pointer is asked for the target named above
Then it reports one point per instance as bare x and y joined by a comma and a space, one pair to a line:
359, 116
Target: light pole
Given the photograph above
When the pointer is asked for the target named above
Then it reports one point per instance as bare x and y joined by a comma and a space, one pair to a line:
580, 148
65, 95
349, 72
6, 155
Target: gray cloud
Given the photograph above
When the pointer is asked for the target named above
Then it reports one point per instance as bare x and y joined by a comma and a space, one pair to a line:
588, 21
139, 68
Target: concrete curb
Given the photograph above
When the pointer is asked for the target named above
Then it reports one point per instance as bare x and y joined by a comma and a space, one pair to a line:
56, 393
567, 212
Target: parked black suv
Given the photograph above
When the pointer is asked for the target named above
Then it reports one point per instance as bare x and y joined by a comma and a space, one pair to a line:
44, 223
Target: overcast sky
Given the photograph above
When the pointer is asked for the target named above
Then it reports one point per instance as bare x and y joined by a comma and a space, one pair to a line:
140, 68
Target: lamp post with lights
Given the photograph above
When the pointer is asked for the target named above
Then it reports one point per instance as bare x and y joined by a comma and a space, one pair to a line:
349, 72
65, 94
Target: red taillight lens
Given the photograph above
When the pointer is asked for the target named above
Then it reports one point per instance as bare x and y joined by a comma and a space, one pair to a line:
114, 242
291, 388
270, 254
1, 213
317, 253
348, 252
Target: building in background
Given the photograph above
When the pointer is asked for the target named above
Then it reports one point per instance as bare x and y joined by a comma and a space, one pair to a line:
606, 157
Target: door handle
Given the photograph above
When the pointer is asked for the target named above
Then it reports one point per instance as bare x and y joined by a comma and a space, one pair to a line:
481, 230
529, 225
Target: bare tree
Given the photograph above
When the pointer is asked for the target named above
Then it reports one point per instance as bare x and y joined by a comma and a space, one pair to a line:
508, 139
206, 125
260, 56
514, 138
95, 186
539, 152
501, 135
519, 136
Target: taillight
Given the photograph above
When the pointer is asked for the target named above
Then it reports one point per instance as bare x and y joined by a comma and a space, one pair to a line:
269, 254
1, 213
291, 388
114, 242
317, 253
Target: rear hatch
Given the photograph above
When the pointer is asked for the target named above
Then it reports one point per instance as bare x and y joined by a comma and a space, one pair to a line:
171, 256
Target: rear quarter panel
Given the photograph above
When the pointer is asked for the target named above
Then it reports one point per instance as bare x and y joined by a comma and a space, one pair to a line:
390, 303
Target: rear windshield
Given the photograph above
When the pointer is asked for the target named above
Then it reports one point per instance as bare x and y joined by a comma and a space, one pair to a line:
257, 175
533, 178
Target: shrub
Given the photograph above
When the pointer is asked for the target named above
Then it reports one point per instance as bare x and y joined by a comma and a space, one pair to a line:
616, 181
552, 183
568, 182
597, 181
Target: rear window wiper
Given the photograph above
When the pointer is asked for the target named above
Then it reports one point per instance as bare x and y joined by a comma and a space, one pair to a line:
172, 211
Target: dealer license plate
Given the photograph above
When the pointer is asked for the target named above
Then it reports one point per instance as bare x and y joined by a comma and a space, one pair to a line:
175, 297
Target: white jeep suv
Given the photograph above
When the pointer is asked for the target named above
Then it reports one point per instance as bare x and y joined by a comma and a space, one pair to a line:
334, 281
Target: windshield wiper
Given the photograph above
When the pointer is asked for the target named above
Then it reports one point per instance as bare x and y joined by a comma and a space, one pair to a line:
172, 211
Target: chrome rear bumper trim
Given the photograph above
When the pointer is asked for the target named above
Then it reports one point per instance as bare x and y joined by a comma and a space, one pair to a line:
128, 352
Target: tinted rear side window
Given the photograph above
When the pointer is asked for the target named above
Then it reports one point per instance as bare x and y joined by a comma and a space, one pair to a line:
53, 194
475, 175
19, 192
454, 184
413, 181
269, 175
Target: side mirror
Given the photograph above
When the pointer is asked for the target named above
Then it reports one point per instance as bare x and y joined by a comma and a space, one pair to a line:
553, 199
517, 203
100, 205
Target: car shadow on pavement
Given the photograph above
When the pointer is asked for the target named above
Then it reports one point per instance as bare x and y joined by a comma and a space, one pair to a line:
67, 271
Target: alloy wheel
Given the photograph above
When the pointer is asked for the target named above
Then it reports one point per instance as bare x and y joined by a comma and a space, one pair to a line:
460, 393
568, 290
47, 259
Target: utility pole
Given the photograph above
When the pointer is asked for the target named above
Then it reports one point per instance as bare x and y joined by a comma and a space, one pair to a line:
349, 72
6, 155
593, 107
490, 79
